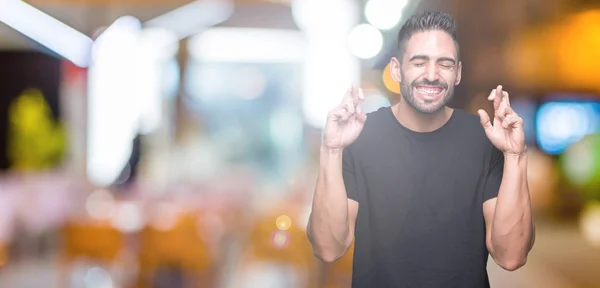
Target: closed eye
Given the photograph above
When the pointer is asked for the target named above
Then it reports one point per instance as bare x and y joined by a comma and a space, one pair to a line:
447, 63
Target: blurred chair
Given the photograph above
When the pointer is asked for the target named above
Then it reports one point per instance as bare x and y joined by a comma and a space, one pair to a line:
95, 241
339, 273
3, 254
179, 247
278, 253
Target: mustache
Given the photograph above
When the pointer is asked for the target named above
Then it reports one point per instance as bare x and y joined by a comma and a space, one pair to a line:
425, 82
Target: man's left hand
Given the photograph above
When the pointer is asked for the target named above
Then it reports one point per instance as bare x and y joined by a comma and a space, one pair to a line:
506, 132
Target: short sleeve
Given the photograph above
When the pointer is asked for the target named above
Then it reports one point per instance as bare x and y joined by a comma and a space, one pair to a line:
349, 175
494, 177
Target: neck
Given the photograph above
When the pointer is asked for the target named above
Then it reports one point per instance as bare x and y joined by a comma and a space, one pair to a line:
420, 122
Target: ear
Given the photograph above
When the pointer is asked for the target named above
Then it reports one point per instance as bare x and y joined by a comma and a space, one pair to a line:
395, 69
458, 73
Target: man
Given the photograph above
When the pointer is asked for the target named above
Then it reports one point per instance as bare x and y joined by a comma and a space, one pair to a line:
424, 190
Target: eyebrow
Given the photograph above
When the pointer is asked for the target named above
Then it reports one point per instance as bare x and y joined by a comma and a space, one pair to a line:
426, 58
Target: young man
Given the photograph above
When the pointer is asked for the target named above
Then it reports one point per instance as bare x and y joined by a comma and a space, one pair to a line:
424, 190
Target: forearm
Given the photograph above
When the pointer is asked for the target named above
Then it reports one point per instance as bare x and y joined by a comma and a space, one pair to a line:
512, 229
328, 228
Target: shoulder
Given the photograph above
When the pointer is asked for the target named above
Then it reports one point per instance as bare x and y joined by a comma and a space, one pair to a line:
376, 123
376, 126
467, 119
468, 124
378, 115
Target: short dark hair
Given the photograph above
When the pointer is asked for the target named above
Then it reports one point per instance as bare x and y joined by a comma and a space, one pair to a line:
427, 21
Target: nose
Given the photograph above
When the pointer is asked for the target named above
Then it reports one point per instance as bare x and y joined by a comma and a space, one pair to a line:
432, 72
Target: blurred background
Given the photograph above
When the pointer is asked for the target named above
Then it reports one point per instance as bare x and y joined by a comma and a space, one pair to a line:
149, 143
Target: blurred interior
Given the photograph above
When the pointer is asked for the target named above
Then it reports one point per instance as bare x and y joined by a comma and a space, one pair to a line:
148, 143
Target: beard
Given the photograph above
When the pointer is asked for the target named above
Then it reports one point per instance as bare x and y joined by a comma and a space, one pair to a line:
425, 107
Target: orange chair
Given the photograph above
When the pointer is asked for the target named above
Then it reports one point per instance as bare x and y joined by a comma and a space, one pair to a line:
95, 241
3, 255
289, 248
339, 273
181, 247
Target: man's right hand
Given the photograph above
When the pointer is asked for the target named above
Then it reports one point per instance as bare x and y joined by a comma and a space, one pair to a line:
345, 121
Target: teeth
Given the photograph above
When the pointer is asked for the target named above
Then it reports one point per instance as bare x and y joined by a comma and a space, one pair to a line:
429, 90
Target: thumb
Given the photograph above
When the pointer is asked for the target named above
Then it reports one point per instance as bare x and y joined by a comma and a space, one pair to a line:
485, 119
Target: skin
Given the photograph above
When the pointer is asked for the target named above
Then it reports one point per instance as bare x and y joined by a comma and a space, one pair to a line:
429, 62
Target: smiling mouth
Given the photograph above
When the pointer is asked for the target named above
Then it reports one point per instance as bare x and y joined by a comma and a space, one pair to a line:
429, 91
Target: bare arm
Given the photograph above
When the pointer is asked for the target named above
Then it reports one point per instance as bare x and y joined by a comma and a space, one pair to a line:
510, 228
510, 231
331, 223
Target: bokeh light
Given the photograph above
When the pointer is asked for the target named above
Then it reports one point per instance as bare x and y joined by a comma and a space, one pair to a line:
365, 41
128, 217
322, 16
100, 204
283, 222
560, 124
581, 163
99, 278
280, 239
384, 14
589, 223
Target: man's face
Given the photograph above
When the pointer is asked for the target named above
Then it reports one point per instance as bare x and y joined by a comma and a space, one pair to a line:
428, 72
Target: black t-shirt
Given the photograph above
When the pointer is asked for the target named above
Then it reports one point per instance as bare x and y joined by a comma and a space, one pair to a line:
420, 217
